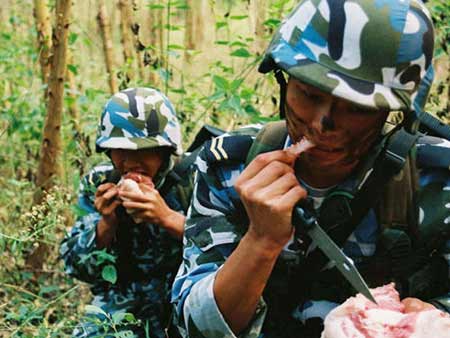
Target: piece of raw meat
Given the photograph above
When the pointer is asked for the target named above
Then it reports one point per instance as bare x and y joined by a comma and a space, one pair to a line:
358, 317
130, 182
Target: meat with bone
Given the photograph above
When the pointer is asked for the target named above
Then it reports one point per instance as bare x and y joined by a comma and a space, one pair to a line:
360, 318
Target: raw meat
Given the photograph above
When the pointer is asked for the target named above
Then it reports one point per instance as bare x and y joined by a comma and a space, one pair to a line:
301, 146
139, 178
360, 318
130, 182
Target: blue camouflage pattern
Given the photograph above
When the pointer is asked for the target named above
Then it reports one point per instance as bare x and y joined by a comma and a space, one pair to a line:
139, 118
143, 284
217, 221
375, 53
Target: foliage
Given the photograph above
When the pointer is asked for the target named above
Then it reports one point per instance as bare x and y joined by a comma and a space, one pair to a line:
220, 85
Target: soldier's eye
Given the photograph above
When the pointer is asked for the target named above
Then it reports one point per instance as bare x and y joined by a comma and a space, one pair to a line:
310, 96
363, 110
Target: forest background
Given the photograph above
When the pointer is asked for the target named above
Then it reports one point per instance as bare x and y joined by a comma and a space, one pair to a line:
202, 53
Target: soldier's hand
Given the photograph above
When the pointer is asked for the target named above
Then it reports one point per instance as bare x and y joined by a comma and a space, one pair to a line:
269, 190
147, 206
106, 202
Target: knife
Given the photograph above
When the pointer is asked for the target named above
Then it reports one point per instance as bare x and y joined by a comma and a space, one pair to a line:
308, 222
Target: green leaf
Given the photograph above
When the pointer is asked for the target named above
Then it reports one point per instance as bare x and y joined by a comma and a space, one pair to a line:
92, 309
172, 27
221, 24
123, 317
109, 274
173, 46
222, 42
235, 103
235, 84
217, 95
220, 82
241, 52
72, 38
155, 6
272, 23
178, 90
238, 43
73, 69
238, 17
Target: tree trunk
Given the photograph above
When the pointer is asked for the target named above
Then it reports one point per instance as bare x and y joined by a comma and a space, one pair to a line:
156, 41
50, 167
44, 33
105, 30
127, 37
138, 44
189, 29
257, 11
196, 16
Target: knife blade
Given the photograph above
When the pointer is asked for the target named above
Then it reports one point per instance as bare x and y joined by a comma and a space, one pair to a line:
344, 264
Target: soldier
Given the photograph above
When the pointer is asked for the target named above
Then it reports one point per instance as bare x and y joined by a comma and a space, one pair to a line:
247, 271
136, 234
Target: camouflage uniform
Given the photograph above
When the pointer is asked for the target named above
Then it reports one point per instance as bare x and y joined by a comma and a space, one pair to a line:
144, 255
217, 219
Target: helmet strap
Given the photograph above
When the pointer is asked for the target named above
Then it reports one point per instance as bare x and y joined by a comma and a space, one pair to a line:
282, 83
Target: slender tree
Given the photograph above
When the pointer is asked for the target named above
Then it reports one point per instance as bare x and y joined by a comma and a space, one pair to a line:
44, 33
139, 46
49, 165
189, 29
127, 34
257, 15
156, 42
105, 30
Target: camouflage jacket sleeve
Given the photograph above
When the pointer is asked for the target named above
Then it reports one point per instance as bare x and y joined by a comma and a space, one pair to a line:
78, 249
211, 234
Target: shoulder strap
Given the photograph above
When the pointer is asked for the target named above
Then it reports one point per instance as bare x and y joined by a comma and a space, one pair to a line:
388, 164
397, 206
180, 170
431, 125
272, 136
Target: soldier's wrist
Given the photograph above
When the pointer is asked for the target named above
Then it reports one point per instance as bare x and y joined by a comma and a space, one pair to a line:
265, 245
105, 232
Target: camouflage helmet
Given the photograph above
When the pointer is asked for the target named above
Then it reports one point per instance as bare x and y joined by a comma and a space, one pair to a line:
375, 53
139, 118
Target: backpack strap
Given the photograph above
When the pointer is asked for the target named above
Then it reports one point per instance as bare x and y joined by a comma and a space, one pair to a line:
431, 125
182, 168
397, 206
179, 171
389, 163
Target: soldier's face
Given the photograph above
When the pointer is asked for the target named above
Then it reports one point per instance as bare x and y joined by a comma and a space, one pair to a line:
341, 130
143, 161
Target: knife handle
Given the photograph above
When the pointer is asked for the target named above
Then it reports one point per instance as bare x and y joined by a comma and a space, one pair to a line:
303, 217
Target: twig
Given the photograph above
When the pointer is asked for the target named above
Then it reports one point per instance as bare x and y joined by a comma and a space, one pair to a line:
21, 289
4, 130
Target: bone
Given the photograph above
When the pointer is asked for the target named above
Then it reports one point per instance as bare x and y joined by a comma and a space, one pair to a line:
301, 146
